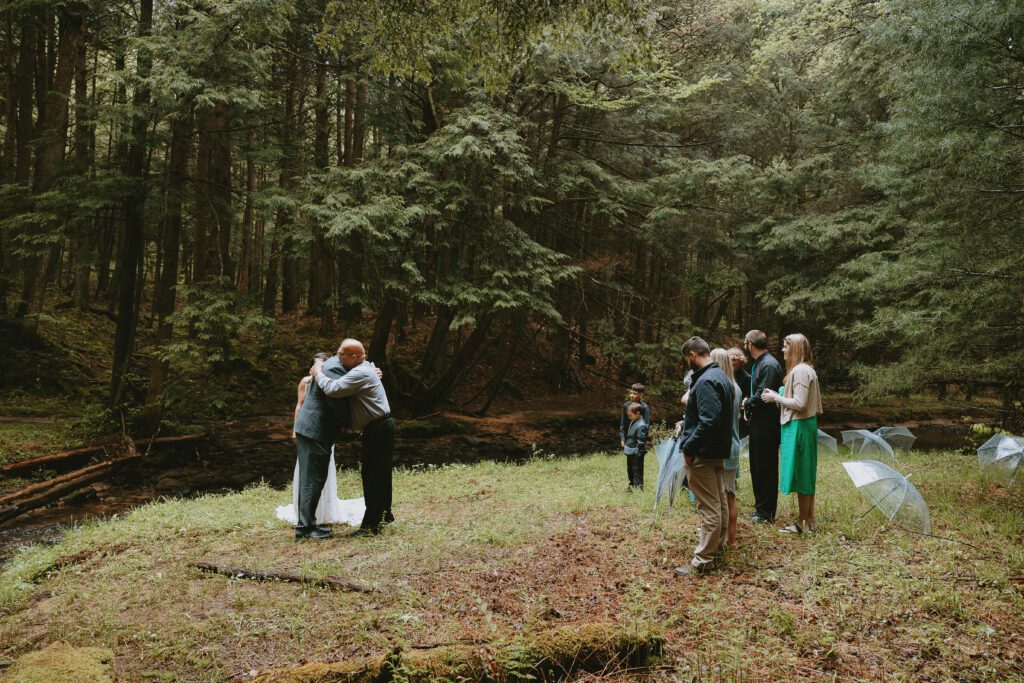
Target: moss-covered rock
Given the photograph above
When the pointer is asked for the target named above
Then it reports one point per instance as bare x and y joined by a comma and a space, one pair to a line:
551, 655
62, 663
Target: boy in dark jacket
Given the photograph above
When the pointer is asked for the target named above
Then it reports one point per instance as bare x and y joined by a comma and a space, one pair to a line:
636, 395
634, 445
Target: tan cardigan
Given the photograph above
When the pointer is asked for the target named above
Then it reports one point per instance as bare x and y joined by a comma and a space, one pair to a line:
802, 398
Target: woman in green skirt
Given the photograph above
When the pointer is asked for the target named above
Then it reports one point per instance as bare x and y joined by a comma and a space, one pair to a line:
800, 403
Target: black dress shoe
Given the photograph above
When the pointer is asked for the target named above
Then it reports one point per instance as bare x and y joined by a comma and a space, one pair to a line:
388, 517
315, 534
758, 519
365, 531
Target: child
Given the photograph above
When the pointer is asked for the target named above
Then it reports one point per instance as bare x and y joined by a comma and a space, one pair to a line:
636, 395
635, 445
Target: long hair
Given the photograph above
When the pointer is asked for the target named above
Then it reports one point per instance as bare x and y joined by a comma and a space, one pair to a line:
721, 356
799, 352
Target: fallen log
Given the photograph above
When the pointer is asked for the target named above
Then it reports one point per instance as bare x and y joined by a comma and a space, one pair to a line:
38, 487
89, 450
68, 484
332, 582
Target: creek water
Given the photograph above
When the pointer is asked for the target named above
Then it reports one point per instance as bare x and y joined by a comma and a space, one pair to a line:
247, 456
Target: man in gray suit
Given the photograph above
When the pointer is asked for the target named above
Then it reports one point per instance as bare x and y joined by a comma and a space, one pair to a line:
371, 414
318, 425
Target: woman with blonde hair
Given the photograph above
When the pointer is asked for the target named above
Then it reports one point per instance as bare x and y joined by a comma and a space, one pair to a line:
800, 403
732, 463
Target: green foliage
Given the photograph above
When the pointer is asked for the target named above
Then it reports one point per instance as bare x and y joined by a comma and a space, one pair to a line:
214, 318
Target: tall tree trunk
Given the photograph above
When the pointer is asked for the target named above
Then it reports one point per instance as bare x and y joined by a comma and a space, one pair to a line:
166, 290
52, 139
130, 255
322, 256
247, 279
359, 125
84, 134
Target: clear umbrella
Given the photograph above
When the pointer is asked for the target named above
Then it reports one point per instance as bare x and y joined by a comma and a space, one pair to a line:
827, 441
670, 470
891, 493
745, 447
897, 437
866, 445
1000, 457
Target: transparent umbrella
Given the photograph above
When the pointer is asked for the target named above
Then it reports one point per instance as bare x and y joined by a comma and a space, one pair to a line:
670, 470
865, 444
897, 437
1000, 457
891, 493
745, 447
827, 441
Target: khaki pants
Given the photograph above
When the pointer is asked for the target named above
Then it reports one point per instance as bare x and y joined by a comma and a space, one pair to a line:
707, 481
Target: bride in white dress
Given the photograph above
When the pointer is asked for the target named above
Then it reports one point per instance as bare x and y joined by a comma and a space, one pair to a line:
331, 509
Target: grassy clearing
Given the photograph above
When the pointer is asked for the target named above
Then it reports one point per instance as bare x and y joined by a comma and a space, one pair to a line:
488, 552
23, 440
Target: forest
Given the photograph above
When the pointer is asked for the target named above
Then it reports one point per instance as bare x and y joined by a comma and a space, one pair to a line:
485, 190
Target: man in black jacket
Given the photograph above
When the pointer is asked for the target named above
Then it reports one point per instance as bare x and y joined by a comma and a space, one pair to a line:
707, 441
765, 431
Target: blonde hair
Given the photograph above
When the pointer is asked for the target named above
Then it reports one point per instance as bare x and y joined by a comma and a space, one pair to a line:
721, 356
799, 352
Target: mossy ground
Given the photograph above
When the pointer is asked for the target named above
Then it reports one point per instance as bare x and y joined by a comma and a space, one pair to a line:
489, 552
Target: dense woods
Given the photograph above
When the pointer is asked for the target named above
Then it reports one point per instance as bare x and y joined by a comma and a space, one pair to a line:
580, 179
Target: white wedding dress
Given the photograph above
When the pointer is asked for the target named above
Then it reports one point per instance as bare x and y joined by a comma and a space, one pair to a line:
331, 509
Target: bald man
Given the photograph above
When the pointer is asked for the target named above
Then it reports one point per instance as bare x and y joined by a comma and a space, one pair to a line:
371, 414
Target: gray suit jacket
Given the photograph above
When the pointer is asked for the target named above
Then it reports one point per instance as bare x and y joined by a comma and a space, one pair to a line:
322, 418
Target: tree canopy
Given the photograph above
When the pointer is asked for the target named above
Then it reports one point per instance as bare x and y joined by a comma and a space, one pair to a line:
596, 179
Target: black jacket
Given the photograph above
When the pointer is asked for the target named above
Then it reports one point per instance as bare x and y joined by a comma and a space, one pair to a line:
766, 373
645, 411
707, 426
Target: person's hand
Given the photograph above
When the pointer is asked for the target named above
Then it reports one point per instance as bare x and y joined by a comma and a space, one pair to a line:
317, 367
623, 444
380, 373
769, 396
679, 426
293, 435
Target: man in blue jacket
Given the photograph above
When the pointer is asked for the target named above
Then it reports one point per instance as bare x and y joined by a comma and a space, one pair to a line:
707, 442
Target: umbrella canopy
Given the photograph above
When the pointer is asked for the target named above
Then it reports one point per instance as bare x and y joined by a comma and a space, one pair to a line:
891, 493
1000, 457
745, 447
866, 445
827, 441
897, 437
670, 470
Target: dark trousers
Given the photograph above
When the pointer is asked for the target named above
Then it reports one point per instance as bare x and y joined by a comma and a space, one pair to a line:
765, 435
635, 469
378, 453
314, 459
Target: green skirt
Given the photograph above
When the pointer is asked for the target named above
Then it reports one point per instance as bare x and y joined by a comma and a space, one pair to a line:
798, 456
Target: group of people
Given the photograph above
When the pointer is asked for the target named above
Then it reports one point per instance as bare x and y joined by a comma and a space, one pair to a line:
343, 390
780, 409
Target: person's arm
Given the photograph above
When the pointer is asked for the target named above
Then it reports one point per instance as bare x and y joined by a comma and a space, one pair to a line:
351, 383
647, 413
801, 393
709, 408
641, 439
303, 384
